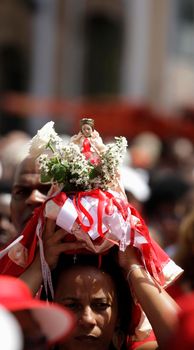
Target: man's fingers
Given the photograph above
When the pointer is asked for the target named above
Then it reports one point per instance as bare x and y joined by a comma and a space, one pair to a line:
71, 246
58, 235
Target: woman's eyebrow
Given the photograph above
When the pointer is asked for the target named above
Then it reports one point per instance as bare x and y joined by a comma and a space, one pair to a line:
98, 299
69, 298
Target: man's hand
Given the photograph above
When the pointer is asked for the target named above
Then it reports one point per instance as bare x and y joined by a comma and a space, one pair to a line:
54, 243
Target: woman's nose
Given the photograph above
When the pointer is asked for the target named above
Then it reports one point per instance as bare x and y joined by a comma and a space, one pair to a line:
87, 318
35, 197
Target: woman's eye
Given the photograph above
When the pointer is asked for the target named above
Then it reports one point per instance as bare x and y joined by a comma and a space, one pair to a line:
101, 306
73, 306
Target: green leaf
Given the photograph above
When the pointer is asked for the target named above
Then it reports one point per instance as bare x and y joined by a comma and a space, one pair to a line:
94, 172
59, 172
45, 178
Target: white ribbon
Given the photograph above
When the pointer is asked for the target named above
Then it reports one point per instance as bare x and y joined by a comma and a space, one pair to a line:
11, 245
67, 216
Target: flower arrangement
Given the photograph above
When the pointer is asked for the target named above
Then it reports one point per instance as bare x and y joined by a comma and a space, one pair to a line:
67, 166
86, 193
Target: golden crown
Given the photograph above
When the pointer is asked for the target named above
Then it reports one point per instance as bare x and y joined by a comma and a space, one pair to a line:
88, 121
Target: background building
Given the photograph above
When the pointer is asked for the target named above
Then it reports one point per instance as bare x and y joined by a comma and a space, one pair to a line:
112, 59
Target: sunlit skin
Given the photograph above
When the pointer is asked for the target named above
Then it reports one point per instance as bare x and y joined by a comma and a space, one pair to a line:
90, 294
86, 130
27, 193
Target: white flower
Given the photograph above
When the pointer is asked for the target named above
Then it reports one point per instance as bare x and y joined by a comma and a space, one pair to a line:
68, 166
45, 135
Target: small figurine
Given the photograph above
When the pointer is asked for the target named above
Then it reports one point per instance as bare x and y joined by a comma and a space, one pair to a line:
89, 141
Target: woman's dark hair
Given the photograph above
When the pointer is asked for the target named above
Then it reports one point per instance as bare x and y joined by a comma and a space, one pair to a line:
107, 263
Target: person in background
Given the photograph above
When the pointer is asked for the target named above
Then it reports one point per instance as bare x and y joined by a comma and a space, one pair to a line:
28, 193
184, 257
136, 186
7, 229
13, 148
145, 150
42, 324
166, 207
183, 335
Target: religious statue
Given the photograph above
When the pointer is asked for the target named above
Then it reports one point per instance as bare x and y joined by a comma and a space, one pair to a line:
89, 141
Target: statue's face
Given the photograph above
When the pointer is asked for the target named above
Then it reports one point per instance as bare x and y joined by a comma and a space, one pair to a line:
86, 130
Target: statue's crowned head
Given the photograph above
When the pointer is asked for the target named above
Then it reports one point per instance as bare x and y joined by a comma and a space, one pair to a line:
88, 121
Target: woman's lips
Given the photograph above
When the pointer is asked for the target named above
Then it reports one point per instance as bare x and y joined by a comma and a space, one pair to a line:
86, 338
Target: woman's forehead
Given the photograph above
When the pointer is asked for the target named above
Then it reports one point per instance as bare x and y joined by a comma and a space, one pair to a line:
86, 279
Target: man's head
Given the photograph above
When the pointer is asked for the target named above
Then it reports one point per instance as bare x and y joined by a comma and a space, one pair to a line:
7, 229
27, 192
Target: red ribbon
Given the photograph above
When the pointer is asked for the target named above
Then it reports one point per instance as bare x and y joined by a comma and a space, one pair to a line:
105, 201
149, 249
86, 150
